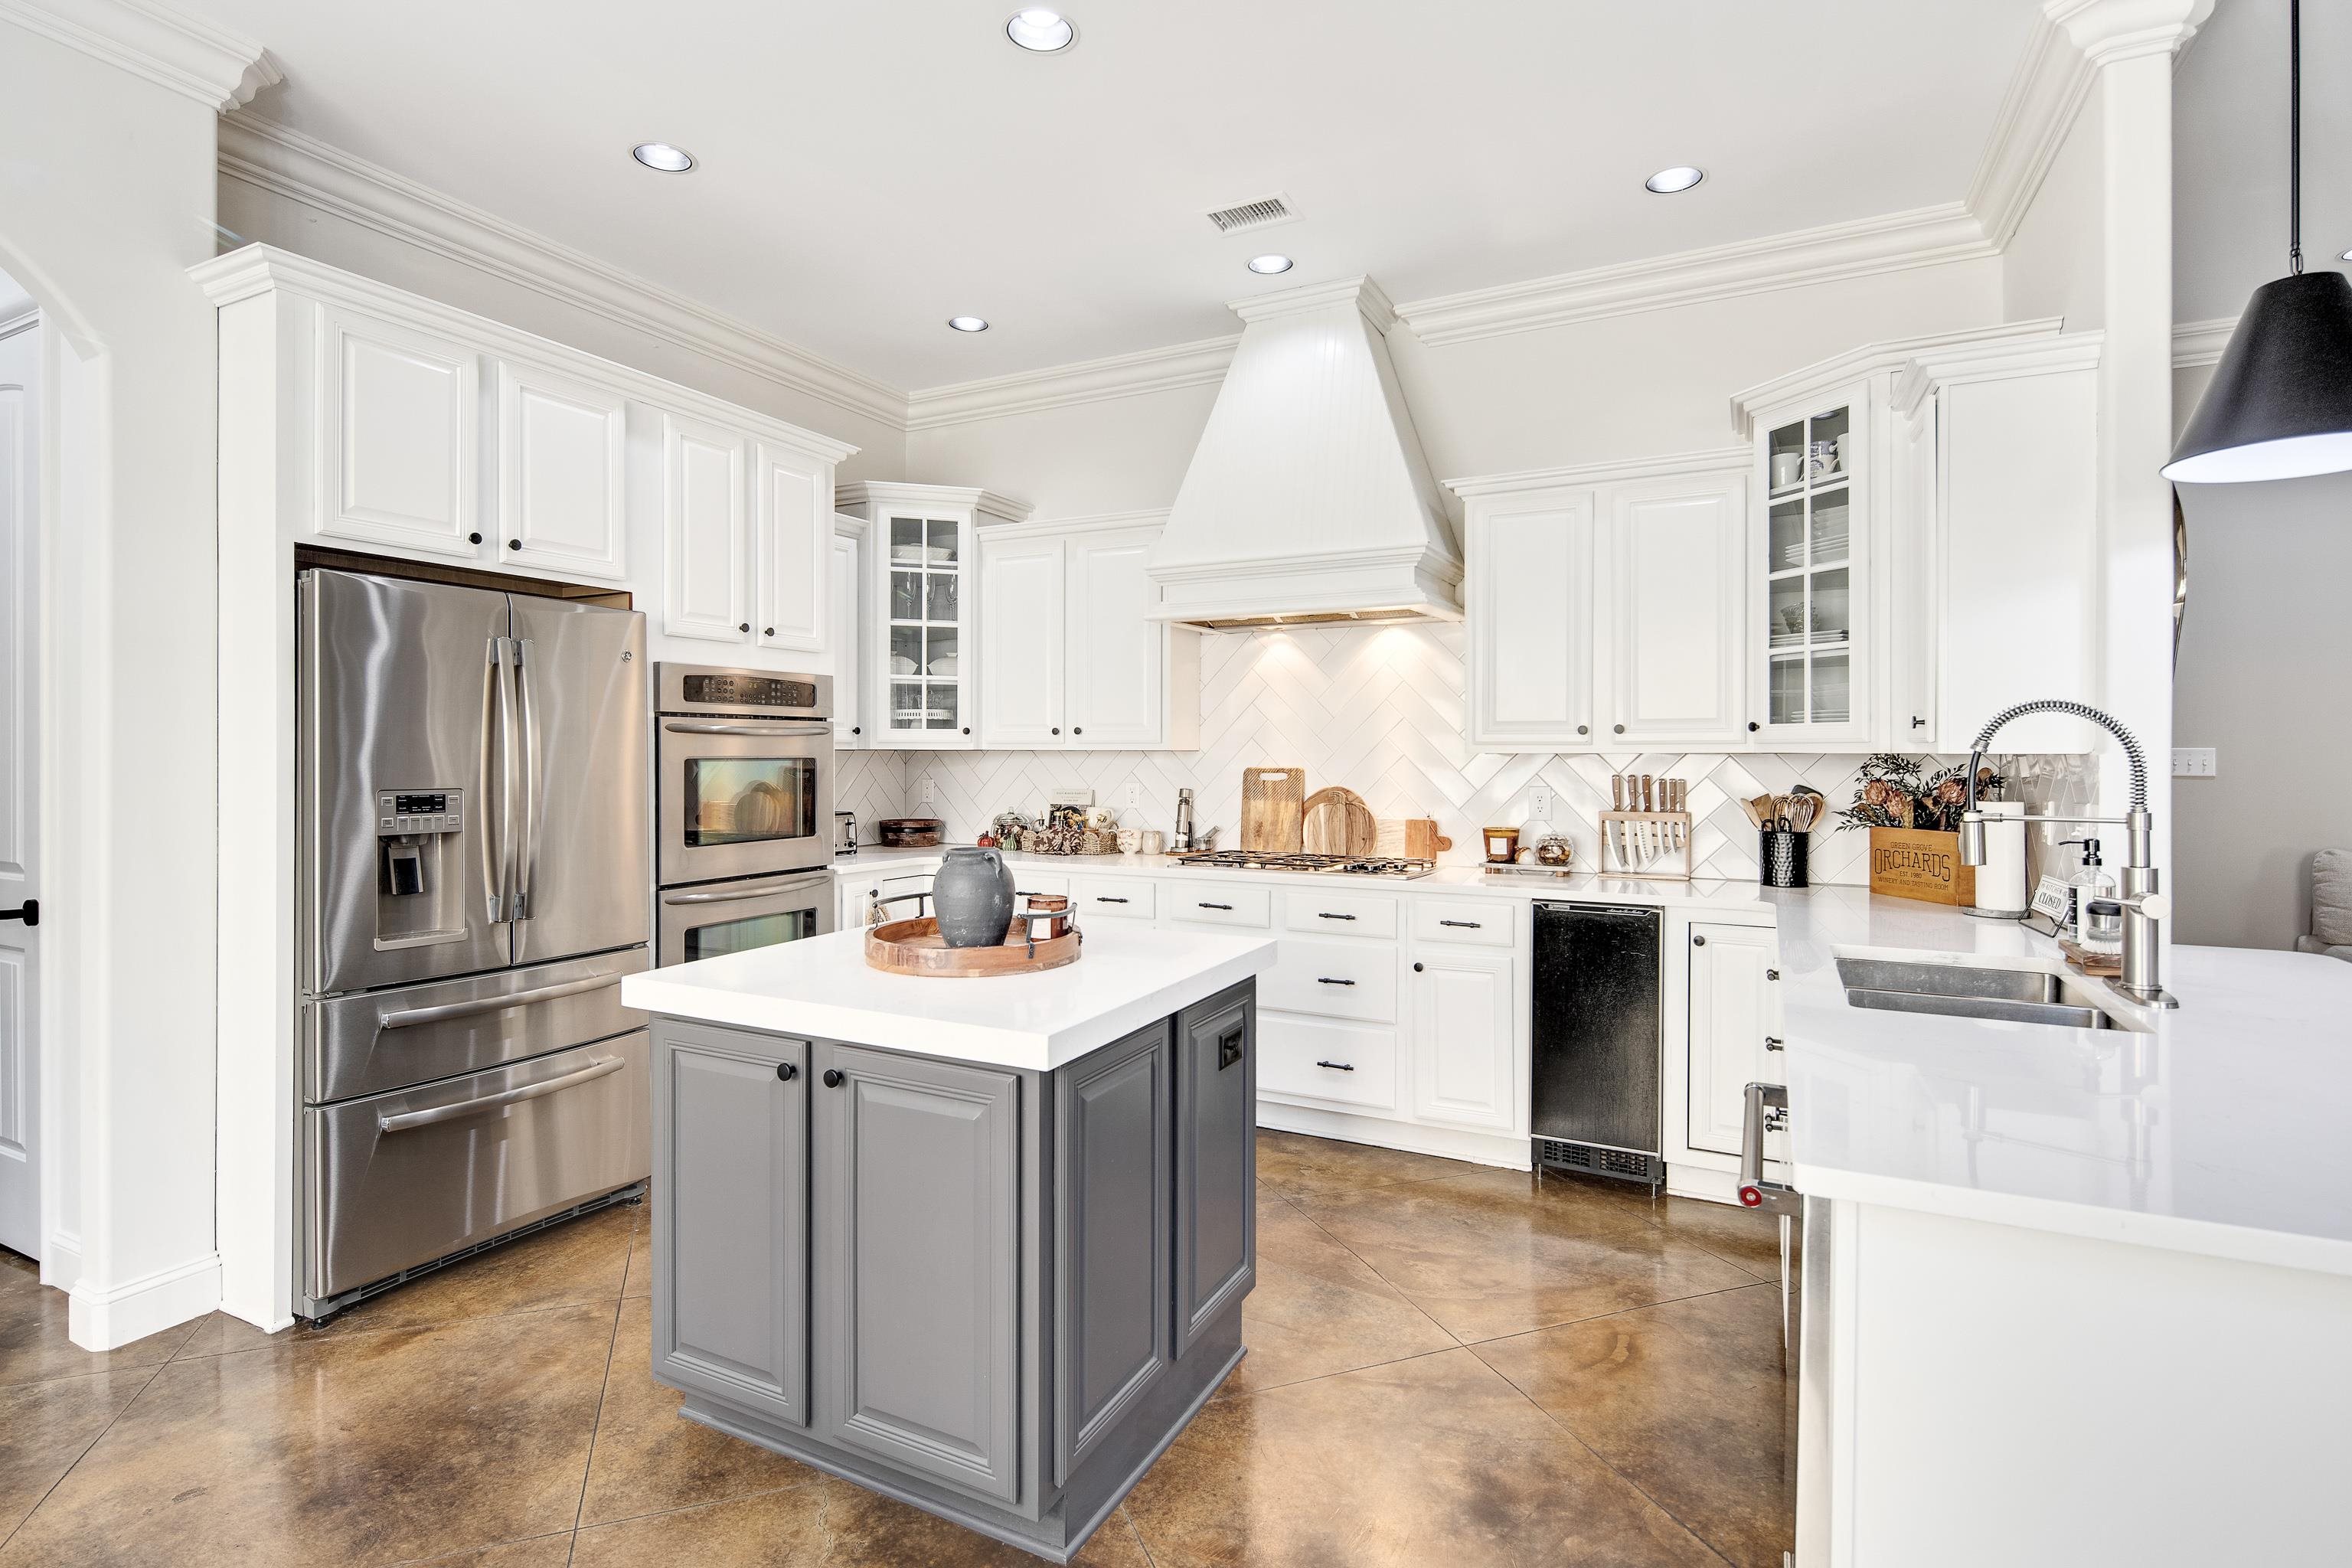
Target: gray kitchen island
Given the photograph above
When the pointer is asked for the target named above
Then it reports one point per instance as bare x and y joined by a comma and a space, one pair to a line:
979, 1245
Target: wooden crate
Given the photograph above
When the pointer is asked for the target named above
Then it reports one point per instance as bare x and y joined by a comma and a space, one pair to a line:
1907, 863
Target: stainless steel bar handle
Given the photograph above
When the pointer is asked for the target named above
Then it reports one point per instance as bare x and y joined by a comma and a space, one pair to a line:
735, 895
1755, 1192
494, 718
463, 1108
506, 704
410, 1017
768, 727
527, 860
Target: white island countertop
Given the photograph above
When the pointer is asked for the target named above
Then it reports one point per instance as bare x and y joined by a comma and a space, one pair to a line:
823, 986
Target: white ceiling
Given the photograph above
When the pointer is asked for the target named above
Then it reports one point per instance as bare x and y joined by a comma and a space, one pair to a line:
868, 170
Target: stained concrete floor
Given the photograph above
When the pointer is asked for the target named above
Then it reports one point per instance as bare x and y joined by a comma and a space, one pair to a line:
1447, 1364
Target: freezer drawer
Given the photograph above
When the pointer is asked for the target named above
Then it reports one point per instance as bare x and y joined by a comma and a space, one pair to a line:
390, 1039
398, 1180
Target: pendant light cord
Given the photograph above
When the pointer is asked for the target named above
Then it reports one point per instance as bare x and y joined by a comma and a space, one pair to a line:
2294, 135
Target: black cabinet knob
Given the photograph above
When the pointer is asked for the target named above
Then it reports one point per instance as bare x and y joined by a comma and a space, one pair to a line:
833, 1077
1620, 728
514, 544
767, 631
1584, 729
744, 627
1416, 969
967, 729
473, 539
1771, 974
857, 728
1057, 729
1697, 941
1077, 729
786, 1072
1753, 726
1918, 723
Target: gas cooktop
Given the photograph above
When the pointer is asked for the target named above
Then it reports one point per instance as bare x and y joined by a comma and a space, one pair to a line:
1343, 865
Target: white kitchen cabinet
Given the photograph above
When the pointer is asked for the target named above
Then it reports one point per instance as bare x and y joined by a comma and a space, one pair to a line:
1068, 656
1672, 656
848, 621
1464, 1048
1528, 606
561, 463
703, 523
1734, 1032
791, 548
1811, 648
399, 437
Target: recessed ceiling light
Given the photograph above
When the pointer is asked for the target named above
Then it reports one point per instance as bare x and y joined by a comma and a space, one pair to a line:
1041, 31
661, 156
2345, 256
1667, 182
1269, 263
968, 323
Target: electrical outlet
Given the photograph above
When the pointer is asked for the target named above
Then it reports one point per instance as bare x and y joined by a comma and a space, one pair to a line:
2193, 762
1539, 803
923, 791
1134, 795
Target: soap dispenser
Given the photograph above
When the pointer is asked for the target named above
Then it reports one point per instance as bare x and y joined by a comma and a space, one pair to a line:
2091, 883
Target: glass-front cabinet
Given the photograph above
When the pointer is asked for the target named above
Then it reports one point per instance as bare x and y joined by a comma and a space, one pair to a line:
924, 545
1809, 562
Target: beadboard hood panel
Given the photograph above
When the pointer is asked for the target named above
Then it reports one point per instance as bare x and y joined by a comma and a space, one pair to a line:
1308, 498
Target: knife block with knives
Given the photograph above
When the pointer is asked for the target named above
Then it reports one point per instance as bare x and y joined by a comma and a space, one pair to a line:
1648, 833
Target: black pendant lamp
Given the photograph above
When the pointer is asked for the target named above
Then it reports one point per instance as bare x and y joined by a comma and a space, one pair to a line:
2280, 404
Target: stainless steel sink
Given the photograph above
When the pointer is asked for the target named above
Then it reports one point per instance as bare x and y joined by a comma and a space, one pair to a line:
1968, 991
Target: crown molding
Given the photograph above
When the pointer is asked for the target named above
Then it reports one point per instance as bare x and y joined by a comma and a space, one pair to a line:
1809, 381
885, 492
1091, 522
1670, 465
1201, 363
2200, 343
2045, 95
1994, 359
1370, 299
2106, 31
216, 67
19, 321
286, 162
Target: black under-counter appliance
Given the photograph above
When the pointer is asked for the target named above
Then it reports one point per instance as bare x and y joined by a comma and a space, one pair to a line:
1597, 1041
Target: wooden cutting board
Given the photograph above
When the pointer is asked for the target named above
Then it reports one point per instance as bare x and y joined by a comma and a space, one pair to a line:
1273, 804
1410, 838
1338, 822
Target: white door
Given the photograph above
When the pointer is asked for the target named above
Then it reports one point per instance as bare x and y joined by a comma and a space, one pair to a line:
1674, 598
1463, 1054
1118, 670
1732, 1015
400, 439
793, 534
20, 1099
702, 521
562, 502
1530, 621
1021, 643
848, 648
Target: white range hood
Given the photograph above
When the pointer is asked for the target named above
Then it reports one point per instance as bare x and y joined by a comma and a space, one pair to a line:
1308, 500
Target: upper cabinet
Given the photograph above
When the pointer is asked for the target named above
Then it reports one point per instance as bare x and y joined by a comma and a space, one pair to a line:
923, 541
1528, 599
1068, 656
1669, 662
848, 633
1809, 558
435, 434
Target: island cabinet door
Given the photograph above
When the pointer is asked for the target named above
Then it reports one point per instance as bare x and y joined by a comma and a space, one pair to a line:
1112, 1180
917, 1177
1216, 1158
730, 1218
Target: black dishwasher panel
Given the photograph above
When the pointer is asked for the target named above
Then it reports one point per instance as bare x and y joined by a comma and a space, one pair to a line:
1597, 1012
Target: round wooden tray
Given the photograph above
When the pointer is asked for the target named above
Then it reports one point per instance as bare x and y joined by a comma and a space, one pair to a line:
916, 947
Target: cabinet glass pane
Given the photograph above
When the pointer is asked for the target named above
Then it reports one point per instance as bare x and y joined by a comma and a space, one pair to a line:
1830, 532
939, 654
1825, 458
1833, 614
907, 704
943, 542
1785, 456
906, 539
1788, 536
941, 605
1788, 691
940, 713
1832, 689
1788, 612
905, 596
906, 650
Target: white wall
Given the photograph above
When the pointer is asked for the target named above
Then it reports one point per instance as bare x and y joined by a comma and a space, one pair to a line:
105, 197
2053, 265
251, 213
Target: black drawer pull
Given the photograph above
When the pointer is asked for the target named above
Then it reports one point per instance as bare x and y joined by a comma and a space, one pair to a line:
1216, 906
1337, 1067
1326, 980
1328, 915
1465, 925
1773, 1042
1107, 899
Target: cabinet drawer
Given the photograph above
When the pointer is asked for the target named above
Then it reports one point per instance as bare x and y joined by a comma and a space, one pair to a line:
1041, 882
1350, 1064
1122, 898
1339, 914
1478, 924
1222, 906
1335, 979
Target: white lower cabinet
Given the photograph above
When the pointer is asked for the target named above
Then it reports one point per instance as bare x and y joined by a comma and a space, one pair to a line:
1333, 979
1465, 1050
1734, 1030
1307, 1058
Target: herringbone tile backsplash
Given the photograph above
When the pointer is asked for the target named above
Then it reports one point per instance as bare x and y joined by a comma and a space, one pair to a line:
1379, 710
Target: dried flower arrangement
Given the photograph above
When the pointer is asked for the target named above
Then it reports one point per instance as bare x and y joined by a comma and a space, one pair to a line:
1899, 792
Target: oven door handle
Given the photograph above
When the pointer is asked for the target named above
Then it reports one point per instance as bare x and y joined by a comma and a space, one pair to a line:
768, 727
407, 1120
1755, 1192
411, 1017
772, 890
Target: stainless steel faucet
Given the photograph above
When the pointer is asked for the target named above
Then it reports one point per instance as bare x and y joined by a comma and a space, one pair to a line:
2144, 907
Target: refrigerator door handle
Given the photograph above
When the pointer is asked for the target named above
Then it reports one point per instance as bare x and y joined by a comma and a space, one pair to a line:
403, 1120
497, 738
526, 854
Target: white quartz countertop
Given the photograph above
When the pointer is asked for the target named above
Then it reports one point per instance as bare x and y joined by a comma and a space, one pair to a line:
823, 986
2220, 1130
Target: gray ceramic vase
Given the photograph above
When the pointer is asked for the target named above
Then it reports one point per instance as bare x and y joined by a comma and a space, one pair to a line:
972, 896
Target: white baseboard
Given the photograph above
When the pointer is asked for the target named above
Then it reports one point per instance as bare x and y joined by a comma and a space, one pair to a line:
1445, 1142
105, 1320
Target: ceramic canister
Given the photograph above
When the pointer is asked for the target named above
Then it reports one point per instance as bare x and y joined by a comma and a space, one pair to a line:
972, 896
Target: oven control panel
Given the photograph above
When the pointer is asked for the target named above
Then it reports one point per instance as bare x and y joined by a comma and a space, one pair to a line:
403, 812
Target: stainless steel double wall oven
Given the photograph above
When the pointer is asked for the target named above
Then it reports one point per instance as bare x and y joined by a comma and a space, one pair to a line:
743, 771
473, 887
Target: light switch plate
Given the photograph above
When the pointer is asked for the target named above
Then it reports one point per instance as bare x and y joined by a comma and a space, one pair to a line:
1539, 803
2194, 762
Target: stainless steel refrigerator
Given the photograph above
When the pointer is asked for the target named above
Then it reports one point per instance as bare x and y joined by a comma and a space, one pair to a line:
474, 885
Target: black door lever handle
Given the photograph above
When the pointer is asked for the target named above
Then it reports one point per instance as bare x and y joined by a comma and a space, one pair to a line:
29, 911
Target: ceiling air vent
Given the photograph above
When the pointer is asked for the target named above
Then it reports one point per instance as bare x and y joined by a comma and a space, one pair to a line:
1263, 212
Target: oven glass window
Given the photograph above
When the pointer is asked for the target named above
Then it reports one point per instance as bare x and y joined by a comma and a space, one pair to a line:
748, 800
759, 931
